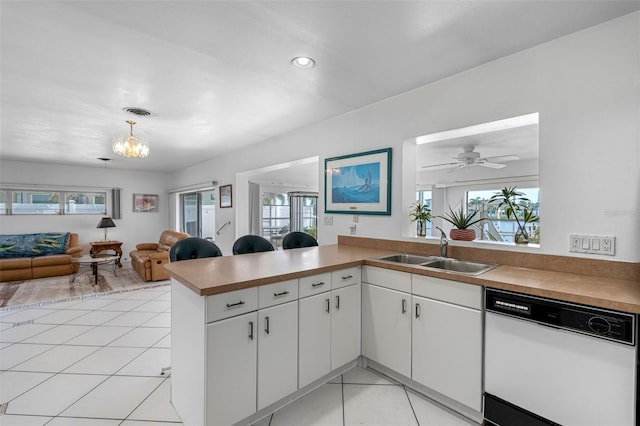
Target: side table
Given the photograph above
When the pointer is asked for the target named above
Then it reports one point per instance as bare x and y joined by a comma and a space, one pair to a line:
100, 246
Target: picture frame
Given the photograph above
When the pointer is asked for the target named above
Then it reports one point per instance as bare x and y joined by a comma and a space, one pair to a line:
145, 203
358, 183
226, 197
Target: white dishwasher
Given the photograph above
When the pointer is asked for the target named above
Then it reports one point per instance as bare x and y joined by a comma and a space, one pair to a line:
549, 362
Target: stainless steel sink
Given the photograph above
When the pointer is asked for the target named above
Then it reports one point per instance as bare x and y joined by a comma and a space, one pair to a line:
409, 259
459, 266
441, 263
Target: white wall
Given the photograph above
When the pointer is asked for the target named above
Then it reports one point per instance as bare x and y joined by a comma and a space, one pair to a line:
585, 87
133, 228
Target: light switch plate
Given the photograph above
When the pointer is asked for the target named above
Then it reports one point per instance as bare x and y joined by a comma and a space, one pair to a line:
593, 244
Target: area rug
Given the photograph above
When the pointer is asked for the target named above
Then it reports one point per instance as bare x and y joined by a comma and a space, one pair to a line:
14, 294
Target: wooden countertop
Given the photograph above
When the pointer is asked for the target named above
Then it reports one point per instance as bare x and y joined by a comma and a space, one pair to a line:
221, 274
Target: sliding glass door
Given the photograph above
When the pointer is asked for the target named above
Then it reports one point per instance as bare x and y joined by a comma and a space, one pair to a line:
198, 212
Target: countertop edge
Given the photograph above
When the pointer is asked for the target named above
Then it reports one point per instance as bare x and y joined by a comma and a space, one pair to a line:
550, 284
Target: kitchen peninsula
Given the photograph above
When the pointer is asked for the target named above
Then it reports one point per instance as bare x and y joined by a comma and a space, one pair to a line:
225, 310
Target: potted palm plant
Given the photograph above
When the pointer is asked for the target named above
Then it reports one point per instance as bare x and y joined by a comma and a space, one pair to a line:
462, 221
421, 214
515, 206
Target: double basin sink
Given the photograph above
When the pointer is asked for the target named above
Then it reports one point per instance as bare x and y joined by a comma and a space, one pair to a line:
442, 263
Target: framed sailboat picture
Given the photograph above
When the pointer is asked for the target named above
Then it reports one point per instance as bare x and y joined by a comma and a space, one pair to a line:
358, 183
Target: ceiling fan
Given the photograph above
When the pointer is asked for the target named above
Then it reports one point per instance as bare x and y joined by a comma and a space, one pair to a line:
469, 157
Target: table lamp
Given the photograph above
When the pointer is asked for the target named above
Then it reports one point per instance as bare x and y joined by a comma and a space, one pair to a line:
105, 223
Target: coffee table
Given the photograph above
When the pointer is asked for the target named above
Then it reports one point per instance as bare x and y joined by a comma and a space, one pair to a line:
87, 260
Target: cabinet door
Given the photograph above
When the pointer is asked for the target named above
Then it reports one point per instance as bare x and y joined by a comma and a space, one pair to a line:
345, 325
314, 338
447, 350
231, 369
277, 353
386, 327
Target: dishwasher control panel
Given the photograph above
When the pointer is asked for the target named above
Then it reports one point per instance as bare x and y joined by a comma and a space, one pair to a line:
612, 325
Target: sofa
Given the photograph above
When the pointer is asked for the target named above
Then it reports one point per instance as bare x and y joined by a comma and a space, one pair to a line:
148, 259
28, 256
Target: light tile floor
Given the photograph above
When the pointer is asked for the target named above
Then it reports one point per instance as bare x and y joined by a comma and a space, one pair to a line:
96, 361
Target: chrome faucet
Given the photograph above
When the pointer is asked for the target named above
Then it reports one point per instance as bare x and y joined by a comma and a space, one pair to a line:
443, 242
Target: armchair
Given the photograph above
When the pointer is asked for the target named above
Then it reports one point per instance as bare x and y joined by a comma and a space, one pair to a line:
148, 259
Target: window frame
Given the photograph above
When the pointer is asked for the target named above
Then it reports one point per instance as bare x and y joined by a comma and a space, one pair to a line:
62, 196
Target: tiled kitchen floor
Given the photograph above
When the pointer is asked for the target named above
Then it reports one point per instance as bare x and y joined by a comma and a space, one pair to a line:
96, 361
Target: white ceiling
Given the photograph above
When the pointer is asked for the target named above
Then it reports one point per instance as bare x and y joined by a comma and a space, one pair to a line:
216, 74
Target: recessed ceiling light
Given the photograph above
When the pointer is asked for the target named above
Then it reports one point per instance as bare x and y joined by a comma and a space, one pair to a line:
303, 62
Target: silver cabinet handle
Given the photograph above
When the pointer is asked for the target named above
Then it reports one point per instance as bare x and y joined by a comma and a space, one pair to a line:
266, 325
417, 310
404, 306
233, 305
284, 293
317, 284
347, 277
250, 330
337, 302
328, 305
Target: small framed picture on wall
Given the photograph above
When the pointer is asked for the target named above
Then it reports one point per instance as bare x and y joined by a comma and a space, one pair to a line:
147, 203
226, 198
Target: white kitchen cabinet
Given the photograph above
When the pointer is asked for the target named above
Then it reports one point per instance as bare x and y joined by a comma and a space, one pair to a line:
345, 325
447, 349
277, 352
386, 327
329, 323
314, 342
231, 364
425, 328
447, 338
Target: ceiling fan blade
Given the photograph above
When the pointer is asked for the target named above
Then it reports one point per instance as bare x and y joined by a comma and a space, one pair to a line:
491, 165
502, 158
442, 166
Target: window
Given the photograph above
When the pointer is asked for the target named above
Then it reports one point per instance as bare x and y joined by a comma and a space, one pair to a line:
499, 227
3, 202
424, 197
85, 202
275, 214
198, 213
27, 202
304, 212
18, 202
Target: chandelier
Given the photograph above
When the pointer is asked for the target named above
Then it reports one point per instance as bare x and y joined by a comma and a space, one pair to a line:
130, 146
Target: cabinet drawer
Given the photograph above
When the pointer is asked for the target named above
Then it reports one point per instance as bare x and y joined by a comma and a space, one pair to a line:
462, 294
314, 284
232, 303
277, 293
345, 277
395, 280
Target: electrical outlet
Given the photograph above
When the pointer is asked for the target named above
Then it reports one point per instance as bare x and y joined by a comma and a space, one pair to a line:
328, 220
608, 245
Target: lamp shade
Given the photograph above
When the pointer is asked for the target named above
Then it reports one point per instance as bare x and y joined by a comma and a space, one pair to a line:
106, 222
